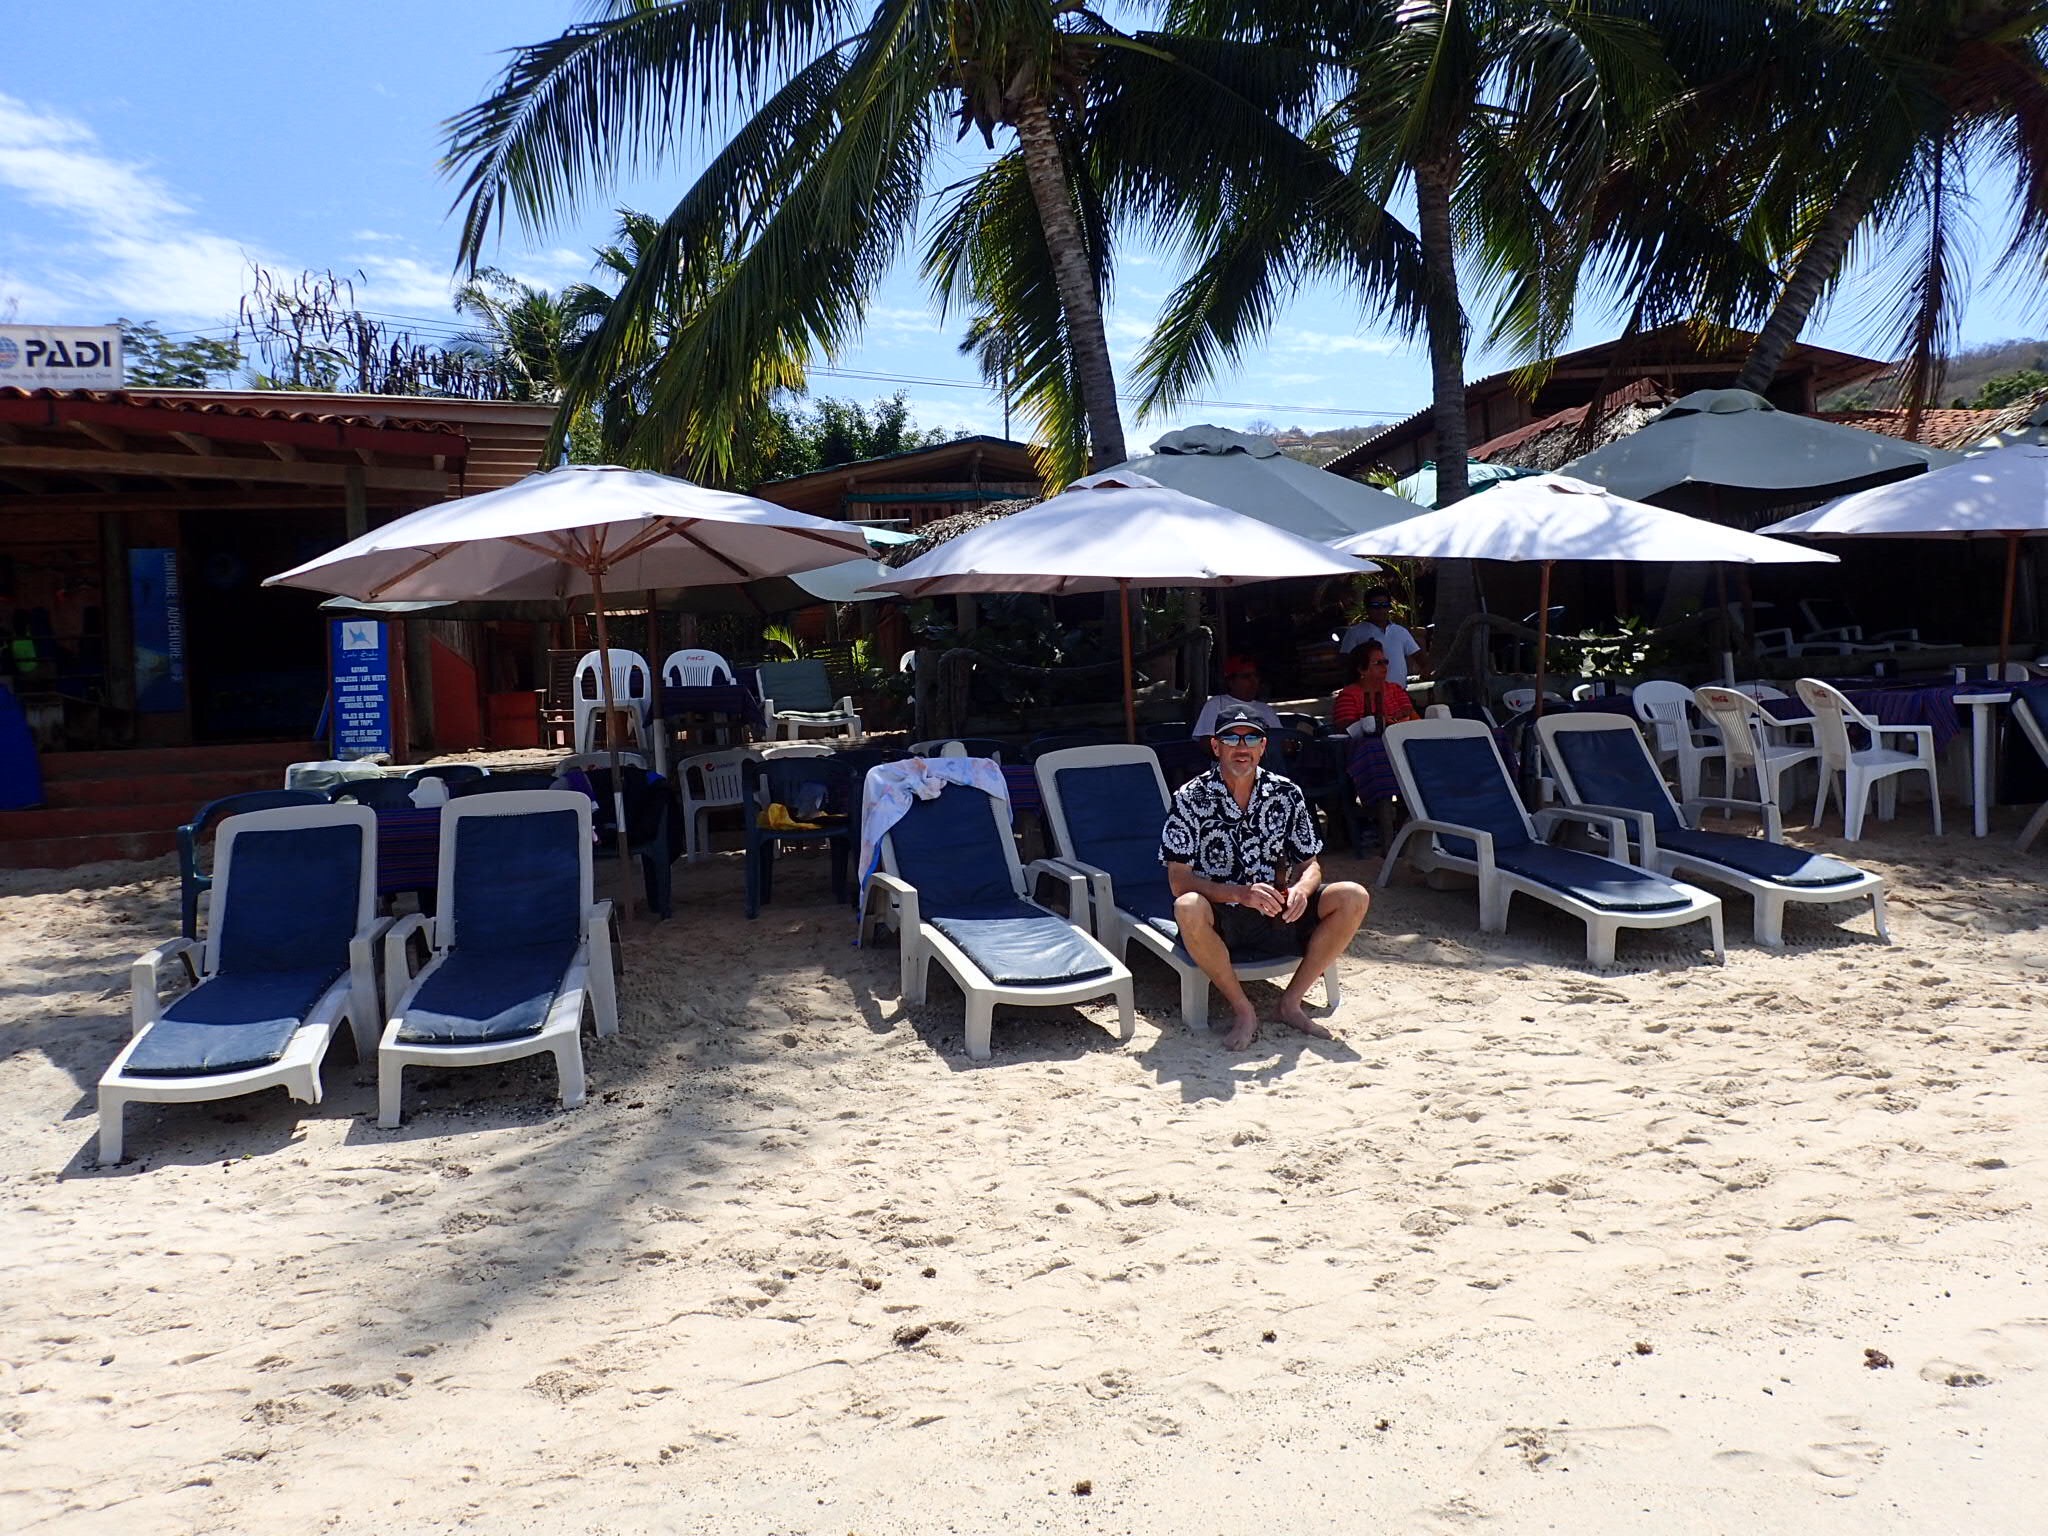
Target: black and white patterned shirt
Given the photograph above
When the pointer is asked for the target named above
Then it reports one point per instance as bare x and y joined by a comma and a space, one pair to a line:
1207, 832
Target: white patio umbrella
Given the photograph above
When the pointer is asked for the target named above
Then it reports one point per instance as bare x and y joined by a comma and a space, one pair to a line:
2002, 494
1736, 440
573, 531
1549, 518
1251, 475
1115, 531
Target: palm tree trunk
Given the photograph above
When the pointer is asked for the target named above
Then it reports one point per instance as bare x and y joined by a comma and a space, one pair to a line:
1457, 588
1818, 263
1045, 169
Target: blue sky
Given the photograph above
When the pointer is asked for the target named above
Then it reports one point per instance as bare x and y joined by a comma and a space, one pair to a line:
149, 151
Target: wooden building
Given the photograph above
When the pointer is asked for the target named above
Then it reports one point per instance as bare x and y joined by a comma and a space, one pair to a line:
909, 489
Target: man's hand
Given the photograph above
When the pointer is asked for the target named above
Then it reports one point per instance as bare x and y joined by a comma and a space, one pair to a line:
1264, 898
1297, 903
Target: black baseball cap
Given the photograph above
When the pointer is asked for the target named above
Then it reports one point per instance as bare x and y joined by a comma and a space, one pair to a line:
1237, 714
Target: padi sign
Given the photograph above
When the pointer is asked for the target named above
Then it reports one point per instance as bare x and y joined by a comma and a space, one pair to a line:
60, 357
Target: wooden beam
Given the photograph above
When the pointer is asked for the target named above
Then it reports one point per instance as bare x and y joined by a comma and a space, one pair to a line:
188, 467
203, 446
32, 484
101, 433
285, 451
220, 498
10, 435
368, 456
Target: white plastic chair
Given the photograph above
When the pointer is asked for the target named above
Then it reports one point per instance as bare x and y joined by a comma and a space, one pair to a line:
695, 669
1117, 924
709, 781
501, 901
263, 958
1519, 700
632, 690
1988, 672
1863, 769
2035, 729
1666, 708
1746, 742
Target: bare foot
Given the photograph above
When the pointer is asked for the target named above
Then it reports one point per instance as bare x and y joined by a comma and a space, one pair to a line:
1291, 1012
1243, 1030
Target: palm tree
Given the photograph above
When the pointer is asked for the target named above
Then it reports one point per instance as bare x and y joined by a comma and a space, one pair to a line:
804, 208
527, 333
1917, 92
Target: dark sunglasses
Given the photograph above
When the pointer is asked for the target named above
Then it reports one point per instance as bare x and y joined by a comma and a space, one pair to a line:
1241, 738
1379, 605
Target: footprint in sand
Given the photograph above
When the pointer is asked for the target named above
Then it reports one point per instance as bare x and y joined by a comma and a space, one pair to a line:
1841, 1461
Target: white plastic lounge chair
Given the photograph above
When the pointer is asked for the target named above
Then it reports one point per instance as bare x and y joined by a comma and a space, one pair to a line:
518, 945
1468, 820
1105, 807
632, 691
1748, 746
2030, 714
797, 696
1603, 766
709, 781
291, 929
1865, 768
951, 885
1666, 707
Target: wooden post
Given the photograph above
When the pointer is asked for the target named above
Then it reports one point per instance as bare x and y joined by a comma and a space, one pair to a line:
355, 502
1542, 633
1123, 589
611, 742
2012, 566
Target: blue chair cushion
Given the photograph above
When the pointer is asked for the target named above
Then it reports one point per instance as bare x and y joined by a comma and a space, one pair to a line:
1614, 768
1598, 882
798, 687
1016, 945
1461, 781
1753, 856
950, 849
1114, 817
291, 900
477, 996
518, 882
230, 1023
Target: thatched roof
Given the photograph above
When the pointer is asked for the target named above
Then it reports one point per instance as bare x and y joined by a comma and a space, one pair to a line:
1556, 440
941, 529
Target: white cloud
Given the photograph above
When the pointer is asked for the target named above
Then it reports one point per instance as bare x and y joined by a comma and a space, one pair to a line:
1293, 339
403, 284
136, 247
1293, 378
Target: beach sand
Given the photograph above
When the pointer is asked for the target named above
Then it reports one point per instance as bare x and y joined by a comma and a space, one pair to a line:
1529, 1248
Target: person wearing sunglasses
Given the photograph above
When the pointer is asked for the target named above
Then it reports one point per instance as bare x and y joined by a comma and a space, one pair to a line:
1241, 685
1405, 658
1243, 859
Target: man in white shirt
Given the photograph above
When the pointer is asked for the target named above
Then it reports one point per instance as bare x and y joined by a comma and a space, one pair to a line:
1404, 652
1241, 685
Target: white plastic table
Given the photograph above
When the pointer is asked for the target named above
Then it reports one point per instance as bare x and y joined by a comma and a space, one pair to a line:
1983, 707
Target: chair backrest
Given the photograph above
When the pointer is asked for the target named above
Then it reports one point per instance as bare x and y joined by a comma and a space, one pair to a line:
961, 746
515, 870
1989, 672
1737, 718
1106, 806
695, 669
713, 778
589, 760
1600, 759
645, 797
632, 683
1830, 613
1832, 717
450, 774
1187, 757
1039, 746
958, 852
798, 685
2030, 712
214, 812
1667, 706
378, 794
768, 749
560, 692
291, 887
1757, 688
789, 780
1520, 700
1450, 770
506, 781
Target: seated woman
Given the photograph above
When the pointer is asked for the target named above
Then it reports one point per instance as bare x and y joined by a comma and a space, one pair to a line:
1371, 696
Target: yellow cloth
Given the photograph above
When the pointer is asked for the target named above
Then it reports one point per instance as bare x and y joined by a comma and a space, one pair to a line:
777, 819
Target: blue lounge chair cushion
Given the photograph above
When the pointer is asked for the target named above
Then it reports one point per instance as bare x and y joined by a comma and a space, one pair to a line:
1753, 856
948, 848
230, 1023
477, 996
1017, 945
1597, 881
519, 882
1613, 767
291, 901
1461, 781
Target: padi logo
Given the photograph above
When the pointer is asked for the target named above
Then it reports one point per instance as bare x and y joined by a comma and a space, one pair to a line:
63, 356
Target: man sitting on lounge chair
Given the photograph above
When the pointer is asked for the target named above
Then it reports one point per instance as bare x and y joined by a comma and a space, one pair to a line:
1240, 850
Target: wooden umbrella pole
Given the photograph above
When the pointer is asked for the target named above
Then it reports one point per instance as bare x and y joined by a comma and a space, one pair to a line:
611, 741
1727, 648
2012, 566
1123, 590
1542, 633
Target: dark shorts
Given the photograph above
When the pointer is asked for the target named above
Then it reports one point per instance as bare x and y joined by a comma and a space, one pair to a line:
1250, 934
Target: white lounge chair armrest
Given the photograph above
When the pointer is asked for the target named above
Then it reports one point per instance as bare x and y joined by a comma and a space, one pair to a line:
397, 963
1482, 841
906, 898
1640, 825
1069, 874
767, 707
1612, 820
597, 923
1918, 732
363, 975
845, 705
145, 976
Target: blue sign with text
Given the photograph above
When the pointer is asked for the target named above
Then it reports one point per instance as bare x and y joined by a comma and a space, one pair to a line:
362, 688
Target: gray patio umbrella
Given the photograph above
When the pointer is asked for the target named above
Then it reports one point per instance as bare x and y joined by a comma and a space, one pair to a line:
569, 532
1252, 477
